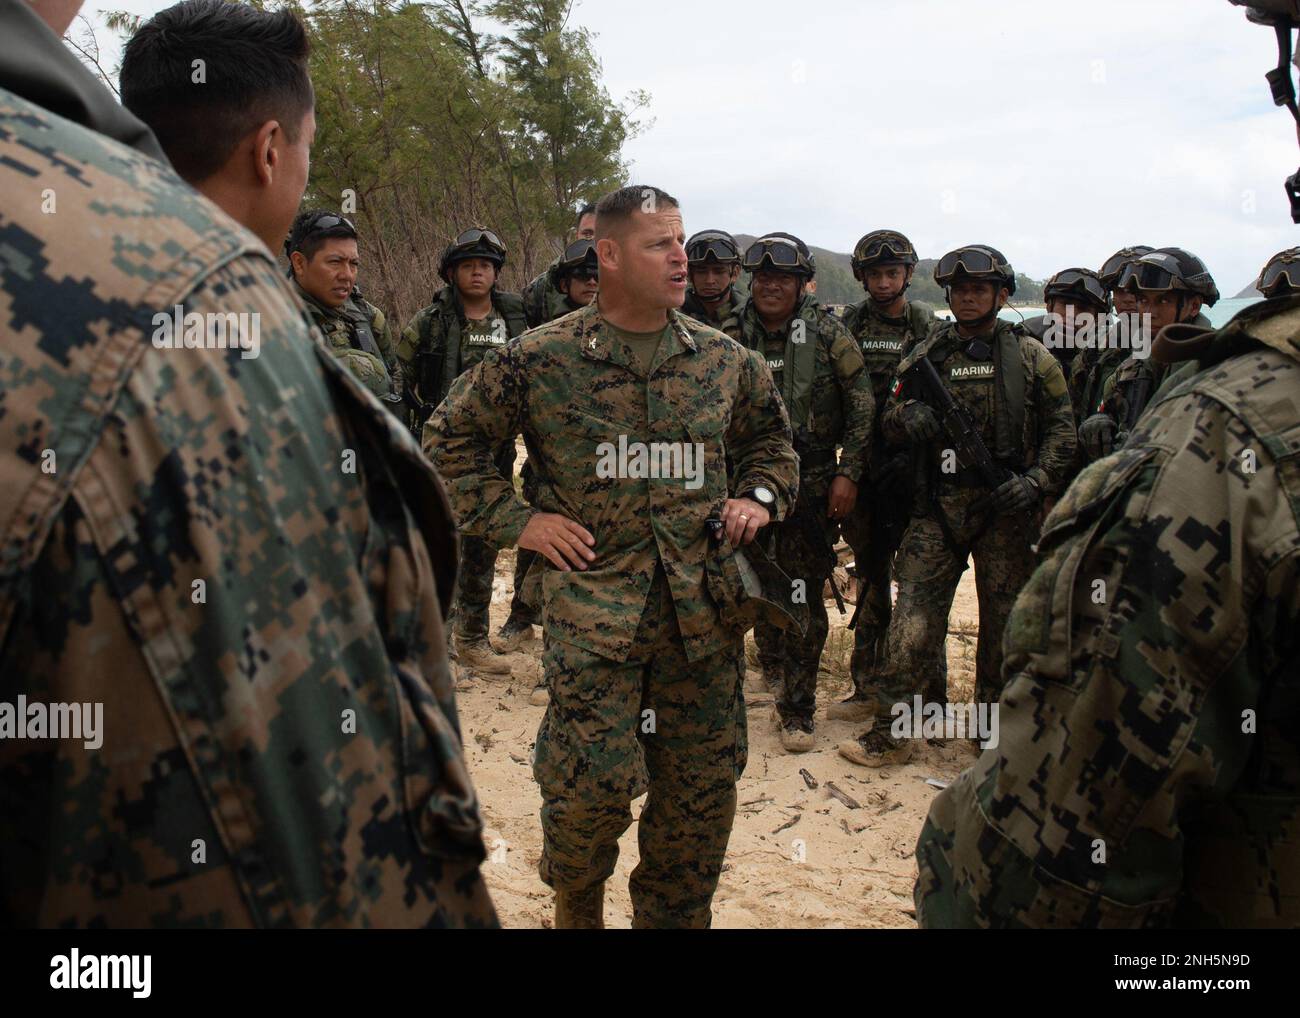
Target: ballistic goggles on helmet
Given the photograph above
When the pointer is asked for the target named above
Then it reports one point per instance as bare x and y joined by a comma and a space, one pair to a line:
1162, 269
1110, 272
712, 245
1281, 275
976, 263
579, 260
883, 247
776, 254
1077, 282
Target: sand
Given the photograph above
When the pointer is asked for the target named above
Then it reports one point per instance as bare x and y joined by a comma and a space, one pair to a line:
798, 857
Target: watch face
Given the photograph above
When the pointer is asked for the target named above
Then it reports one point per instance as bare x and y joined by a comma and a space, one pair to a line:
764, 496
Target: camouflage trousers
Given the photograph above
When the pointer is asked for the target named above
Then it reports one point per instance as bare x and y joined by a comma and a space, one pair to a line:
784, 655
927, 572
478, 563
614, 730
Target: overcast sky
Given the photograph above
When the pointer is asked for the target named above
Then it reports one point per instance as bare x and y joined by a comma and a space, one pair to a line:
1056, 131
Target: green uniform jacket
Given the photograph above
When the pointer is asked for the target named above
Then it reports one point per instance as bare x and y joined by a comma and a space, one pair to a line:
1025, 421
581, 401
829, 400
357, 334
245, 561
437, 329
1147, 771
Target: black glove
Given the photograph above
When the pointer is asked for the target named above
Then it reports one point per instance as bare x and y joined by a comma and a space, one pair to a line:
919, 422
1017, 494
1097, 435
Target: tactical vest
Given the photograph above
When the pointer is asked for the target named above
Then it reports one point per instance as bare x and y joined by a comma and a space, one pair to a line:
1008, 379
800, 355
447, 307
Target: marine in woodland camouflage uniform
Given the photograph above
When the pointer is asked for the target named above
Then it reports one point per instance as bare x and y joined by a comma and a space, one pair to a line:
819, 371
185, 545
713, 262
886, 325
324, 277
440, 343
1013, 392
645, 675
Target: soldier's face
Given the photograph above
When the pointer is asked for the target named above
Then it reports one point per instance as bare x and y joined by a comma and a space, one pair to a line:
886, 282
972, 299
1126, 302
587, 227
474, 277
1162, 306
648, 259
711, 279
332, 271
580, 289
775, 293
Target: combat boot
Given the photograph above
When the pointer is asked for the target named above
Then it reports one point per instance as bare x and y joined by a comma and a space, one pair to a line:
513, 634
581, 910
797, 735
855, 708
876, 748
476, 655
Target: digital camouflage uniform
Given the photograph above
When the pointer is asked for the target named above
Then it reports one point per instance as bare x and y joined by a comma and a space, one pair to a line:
280, 744
443, 329
928, 568
837, 410
357, 334
695, 308
1147, 771
875, 527
639, 630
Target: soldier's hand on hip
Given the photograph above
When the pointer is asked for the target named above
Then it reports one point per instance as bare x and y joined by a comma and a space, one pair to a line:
743, 519
567, 545
1097, 435
844, 493
920, 422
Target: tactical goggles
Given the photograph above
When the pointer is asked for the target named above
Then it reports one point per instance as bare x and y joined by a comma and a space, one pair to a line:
1083, 283
712, 245
1281, 273
1117, 262
886, 246
1148, 276
780, 255
473, 236
970, 260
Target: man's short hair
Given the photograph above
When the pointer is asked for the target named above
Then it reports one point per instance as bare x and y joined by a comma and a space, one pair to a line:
307, 241
254, 69
614, 211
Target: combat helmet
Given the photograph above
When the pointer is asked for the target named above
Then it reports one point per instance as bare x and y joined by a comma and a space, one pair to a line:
976, 261
1280, 276
1113, 266
781, 252
712, 246
1079, 284
475, 242
882, 247
1170, 268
